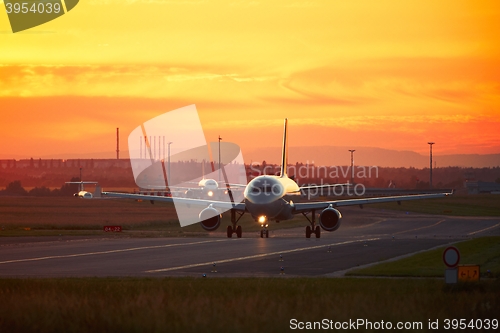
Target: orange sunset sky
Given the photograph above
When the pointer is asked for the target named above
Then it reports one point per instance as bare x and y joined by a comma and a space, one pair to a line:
390, 74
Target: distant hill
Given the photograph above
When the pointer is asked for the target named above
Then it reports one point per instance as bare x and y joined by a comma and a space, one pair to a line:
325, 155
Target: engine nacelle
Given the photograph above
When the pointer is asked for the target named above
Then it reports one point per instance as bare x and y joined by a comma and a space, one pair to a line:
83, 195
210, 219
189, 194
329, 219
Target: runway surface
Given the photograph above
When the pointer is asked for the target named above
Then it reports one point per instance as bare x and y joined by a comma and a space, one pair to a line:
366, 236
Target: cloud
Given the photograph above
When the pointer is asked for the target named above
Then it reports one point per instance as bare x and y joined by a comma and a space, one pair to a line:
397, 84
153, 81
392, 123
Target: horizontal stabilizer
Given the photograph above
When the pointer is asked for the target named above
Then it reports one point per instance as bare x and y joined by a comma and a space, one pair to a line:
319, 187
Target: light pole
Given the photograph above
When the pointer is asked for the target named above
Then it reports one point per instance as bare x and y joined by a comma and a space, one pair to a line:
219, 156
430, 180
80, 187
168, 165
352, 165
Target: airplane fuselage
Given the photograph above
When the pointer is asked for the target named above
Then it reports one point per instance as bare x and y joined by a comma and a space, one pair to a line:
208, 184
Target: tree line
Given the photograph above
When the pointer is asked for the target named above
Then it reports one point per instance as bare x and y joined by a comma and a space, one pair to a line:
15, 188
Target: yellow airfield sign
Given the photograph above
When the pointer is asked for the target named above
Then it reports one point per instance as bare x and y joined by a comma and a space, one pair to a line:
468, 273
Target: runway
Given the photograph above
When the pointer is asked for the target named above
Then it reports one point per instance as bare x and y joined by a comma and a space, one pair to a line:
366, 236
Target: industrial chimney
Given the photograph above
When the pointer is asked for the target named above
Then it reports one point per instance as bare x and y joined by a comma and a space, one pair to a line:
117, 143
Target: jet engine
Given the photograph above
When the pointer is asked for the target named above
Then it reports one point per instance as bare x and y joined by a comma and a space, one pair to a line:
329, 219
210, 218
189, 194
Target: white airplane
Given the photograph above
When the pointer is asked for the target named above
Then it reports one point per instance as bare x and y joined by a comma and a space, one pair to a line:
85, 194
268, 198
209, 188
205, 188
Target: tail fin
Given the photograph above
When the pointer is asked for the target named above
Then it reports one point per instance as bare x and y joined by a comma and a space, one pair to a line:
284, 154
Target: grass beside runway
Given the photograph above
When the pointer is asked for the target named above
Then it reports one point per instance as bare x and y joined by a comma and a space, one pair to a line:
484, 251
38, 216
455, 205
232, 304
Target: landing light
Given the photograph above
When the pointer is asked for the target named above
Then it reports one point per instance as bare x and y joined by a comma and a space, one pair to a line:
262, 219
210, 193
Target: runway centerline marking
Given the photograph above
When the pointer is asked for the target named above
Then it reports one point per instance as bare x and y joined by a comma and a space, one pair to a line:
427, 226
256, 256
476, 232
108, 252
369, 225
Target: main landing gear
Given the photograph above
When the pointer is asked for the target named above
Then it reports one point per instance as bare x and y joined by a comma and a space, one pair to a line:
230, 231
234, 229
313, 228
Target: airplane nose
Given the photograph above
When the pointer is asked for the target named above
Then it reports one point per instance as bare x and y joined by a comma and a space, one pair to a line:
270, 210
261, 199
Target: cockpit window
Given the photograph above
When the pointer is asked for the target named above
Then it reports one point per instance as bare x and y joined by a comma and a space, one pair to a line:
263, 189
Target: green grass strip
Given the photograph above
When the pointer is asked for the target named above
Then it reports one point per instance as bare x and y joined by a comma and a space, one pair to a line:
231, 305
455, 205
483, 251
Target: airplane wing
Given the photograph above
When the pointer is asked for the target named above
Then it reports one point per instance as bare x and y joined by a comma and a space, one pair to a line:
235, 185
318, 187
308, 206
223, 186
191, 202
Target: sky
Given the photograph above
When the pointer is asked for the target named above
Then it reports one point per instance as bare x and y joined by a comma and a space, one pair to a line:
387, 74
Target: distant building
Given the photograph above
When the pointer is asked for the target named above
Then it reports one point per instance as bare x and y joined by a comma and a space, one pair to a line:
477, 187
60, 163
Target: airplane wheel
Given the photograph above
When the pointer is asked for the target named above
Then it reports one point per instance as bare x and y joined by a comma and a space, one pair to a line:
308, 231
239, 231
267, 233
229, 231
317, 231
262, 234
